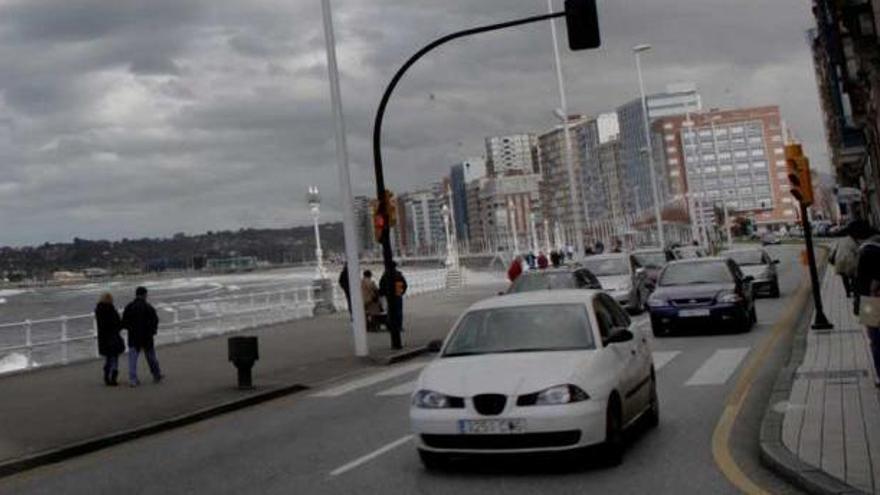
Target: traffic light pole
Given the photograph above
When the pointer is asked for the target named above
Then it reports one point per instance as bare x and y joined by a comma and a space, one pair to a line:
821, 322
385, 239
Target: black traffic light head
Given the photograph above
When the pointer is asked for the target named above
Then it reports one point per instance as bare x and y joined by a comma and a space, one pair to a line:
582, 23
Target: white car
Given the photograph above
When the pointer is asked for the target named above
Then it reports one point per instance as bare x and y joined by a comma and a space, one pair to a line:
535, 372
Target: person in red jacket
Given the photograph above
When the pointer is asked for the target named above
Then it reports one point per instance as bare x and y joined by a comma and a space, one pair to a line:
515, 269
543, 262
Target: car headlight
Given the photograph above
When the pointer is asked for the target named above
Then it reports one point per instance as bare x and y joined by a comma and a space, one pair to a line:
560, 394
428, 399
729, 297
656, 301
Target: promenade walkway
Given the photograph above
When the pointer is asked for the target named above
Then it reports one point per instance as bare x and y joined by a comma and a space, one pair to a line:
832, 419
54, 407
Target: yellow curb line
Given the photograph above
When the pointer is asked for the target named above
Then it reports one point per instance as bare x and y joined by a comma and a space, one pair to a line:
733, 404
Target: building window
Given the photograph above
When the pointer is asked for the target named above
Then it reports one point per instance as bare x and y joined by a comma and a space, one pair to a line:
742, 166
726, 168
758, 153
724, 156
674, 173
787, 200
669, 138
709, 157
782, 175
776, 138
672, 149
759, 165
667, 125
673, 161
788, 213
709, 170
736, 130
741, 154
779, 151
745, 191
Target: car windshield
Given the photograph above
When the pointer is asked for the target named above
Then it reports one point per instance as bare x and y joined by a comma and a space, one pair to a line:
603, 267
712, 272
746, 258
531, 328
534, 281
688, 252
651, 260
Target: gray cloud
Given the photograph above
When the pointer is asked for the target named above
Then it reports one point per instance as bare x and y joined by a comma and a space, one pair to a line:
132, 118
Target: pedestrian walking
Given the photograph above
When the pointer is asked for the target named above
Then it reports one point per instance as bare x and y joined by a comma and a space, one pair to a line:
542, 260
346, 288
142, 323
555, 258
845, 256
372, 305
393, 286
110, 343
599, 247
867, 288
516, 269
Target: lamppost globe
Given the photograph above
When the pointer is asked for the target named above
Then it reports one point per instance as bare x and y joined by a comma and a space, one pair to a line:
314, 200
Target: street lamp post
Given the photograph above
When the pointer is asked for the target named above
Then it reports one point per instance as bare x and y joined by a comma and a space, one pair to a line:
314, 200
569, 164
449, 247
534, 232
637, 50
546, 236
511, 221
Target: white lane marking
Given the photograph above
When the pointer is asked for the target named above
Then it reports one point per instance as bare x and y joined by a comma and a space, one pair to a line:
718, 368
368, 380
662, 358
402, 389
369, 457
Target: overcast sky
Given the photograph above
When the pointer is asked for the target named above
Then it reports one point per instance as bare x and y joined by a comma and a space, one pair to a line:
133, 118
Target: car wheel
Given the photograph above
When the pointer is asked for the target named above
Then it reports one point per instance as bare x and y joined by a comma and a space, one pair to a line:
613, 447
653, 416
433, 461
774, 289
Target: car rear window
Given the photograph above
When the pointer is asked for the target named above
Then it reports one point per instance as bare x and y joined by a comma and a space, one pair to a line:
530, 282
745, 258
531, 328
702, 272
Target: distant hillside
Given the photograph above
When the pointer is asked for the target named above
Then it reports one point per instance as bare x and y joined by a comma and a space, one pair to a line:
178, 252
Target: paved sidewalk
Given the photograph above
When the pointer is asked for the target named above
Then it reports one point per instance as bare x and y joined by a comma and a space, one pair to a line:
47, 409
832, 419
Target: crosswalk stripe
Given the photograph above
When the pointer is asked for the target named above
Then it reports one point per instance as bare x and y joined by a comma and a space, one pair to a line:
403, 389
719, 367
662, 358
369, 380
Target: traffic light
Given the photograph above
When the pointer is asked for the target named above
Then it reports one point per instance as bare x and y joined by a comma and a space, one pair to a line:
582, 24
798, 167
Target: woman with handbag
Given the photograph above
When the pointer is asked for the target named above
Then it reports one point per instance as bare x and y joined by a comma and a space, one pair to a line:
867, 288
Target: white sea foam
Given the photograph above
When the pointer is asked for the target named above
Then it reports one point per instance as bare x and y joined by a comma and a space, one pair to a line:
12, 362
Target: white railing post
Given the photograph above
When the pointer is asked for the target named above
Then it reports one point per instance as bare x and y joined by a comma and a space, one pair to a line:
176, 322
296, 302
64, 353
198, 310
28, 341
95, 333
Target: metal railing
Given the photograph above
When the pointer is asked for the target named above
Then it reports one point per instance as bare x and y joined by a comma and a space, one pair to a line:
66, 339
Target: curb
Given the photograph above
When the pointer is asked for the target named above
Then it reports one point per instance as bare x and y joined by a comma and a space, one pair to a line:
401, 356
88, 446
773, 453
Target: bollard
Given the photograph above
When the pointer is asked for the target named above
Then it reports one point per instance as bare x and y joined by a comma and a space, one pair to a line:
243, 353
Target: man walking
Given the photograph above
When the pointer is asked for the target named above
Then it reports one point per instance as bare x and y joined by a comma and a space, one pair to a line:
345, 286
393, 287
141, 321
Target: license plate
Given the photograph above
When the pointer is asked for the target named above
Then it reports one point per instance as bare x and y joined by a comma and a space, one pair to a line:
691, 313
491, 426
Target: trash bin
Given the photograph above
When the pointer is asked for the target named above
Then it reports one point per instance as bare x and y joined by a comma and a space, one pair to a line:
243, 353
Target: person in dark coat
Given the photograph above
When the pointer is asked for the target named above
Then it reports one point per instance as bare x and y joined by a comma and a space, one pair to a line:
867, 284
555, 258
142, 322
393, 286
345, 286
110, 344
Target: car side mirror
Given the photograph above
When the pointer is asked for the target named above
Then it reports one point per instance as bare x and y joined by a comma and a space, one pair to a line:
434, 346
619, 335
775, 262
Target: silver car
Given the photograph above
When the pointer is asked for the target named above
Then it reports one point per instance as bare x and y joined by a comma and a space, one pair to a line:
758, 264
622, 278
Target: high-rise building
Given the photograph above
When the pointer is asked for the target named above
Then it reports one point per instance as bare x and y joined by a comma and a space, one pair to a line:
363, 217
460, 175
500, 206
511, 154
734, 157
610, 170
424, 232
679, 99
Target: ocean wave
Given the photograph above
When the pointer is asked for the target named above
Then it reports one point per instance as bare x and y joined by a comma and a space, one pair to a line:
13, 362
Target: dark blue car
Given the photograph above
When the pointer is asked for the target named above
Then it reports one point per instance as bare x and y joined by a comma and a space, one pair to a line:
702, 294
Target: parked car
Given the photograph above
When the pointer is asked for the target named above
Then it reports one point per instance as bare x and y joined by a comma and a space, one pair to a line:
758, 264
535, 372
554, 279
689, 252
653, 261
702, 294
622, 277
769, 238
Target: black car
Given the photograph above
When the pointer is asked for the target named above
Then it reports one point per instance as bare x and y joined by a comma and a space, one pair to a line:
702, 294
554, 279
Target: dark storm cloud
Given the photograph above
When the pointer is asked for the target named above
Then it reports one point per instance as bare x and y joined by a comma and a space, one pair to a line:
133, 118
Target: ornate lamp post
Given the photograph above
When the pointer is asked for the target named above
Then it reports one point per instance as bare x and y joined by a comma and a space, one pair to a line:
450, 255
314, 199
